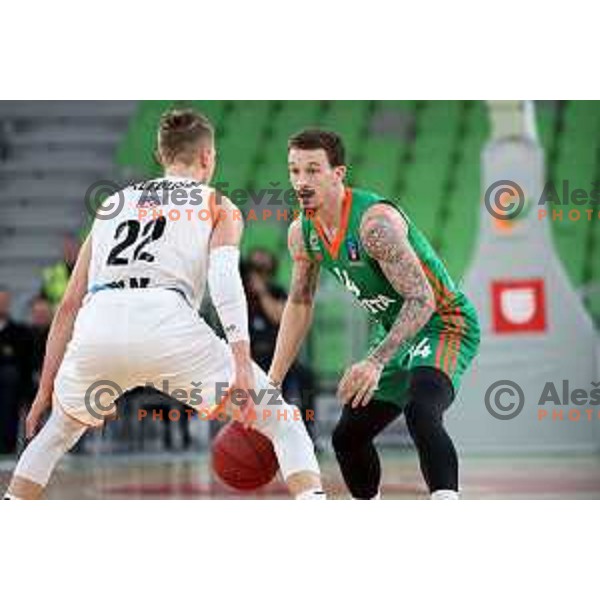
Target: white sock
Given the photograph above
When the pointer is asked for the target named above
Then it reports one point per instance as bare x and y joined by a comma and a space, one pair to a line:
314, 494
445, 495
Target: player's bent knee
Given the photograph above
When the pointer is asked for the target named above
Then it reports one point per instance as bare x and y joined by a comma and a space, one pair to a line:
430, 394
342, 439
58, 436
293, 446
418, 412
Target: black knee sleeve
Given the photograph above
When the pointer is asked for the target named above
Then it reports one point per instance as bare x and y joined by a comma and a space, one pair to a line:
354, 449
430, 394
341, 439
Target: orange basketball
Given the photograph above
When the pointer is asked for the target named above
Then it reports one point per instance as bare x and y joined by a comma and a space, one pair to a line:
244, 459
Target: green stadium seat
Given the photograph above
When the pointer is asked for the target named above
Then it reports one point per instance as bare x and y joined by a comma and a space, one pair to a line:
136, 151
381, 164
423, 196
594, 259
247, 120
470, 150
440, 116
459, 232
579, 173
583, 117
293, 117
403, 105
425, 180
348, 118
273, 174
296, 115
264, 234
477, 122
233, 173
546, 124
468, 177
423, 213
237, 147
438, 148
584, 146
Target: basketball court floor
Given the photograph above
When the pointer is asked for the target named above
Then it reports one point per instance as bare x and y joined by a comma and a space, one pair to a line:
188, 476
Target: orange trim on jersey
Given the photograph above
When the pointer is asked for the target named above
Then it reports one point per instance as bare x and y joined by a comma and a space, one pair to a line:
441, 299
444, 295
450, 350
433, 282
334, 247
446, 357
456, 351
456, 318
459, 338
438, 354
437, 294
448, 338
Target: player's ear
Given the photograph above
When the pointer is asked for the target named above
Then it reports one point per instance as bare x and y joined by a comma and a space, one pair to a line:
340, 172
205, 157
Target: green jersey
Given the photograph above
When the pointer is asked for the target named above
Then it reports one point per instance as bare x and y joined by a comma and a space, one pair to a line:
347, 259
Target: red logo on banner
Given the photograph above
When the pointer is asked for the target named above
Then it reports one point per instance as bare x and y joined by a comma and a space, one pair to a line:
518, 306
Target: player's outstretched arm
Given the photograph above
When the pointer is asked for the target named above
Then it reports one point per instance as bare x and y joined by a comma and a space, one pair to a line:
298, 311
226, 288
224, 280
384, 234
59, 336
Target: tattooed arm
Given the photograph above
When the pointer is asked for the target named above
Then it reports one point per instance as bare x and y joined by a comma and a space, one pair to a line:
384, 234
298, 311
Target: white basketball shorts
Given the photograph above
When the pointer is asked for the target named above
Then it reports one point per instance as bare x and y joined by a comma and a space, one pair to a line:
127, 338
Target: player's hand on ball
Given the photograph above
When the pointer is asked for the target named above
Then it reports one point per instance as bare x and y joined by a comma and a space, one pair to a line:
243, 405
359, 383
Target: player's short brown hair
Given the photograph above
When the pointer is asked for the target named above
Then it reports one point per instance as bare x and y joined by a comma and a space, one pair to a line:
319, 139
180, 133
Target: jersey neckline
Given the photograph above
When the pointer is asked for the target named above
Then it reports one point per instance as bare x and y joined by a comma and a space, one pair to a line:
333, 247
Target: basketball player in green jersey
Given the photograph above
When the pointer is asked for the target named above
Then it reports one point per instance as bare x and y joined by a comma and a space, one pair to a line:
427, 331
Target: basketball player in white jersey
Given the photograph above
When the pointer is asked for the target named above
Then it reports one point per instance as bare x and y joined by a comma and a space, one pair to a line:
129, 315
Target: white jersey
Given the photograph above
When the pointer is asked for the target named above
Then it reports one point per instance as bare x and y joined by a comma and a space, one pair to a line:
154, 234
129, 338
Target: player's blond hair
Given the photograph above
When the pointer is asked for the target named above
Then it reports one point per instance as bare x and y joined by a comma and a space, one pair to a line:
181, 133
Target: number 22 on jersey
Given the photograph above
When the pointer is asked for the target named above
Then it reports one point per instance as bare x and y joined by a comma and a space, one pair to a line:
151, 232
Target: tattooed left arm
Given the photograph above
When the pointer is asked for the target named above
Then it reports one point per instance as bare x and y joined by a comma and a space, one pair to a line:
384, 234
